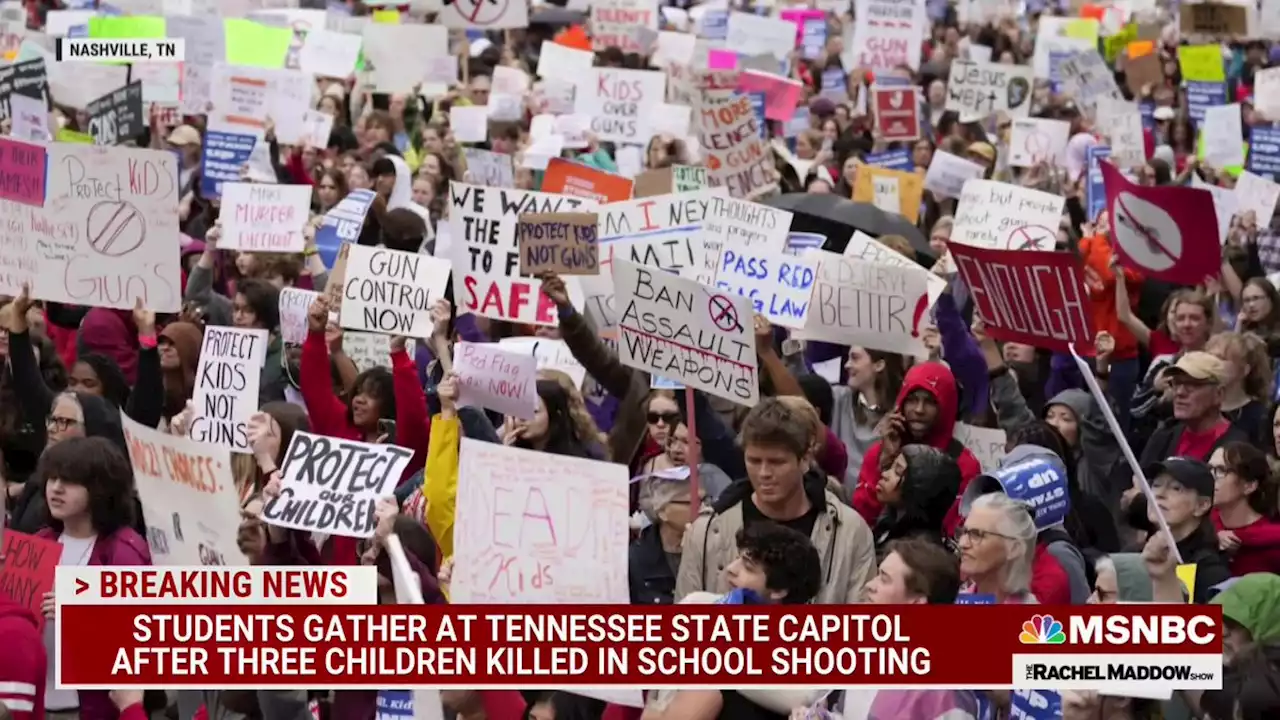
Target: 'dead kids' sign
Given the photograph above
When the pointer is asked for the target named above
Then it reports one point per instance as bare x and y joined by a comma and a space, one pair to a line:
684, 331
331, 486
1169, 233
486, 256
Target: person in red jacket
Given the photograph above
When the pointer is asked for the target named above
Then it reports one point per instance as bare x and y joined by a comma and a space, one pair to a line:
1244, 502
24, 662
925, 413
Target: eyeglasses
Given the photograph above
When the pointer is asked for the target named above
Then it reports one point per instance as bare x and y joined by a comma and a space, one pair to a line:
60, 424
1220, 471
328, 187
976, 535
668, 418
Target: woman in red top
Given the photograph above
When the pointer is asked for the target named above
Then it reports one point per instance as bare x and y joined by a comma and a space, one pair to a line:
1244, 508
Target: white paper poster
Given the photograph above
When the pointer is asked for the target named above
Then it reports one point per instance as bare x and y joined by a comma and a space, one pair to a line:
484, 15
778, 284
496, 378
294, 305
390, 291
1258, 194
866, 248
750, 34
260, 217
226, 392
1038, 140
615, 99
550, 354
1001, 216
881, 307
977, 90
1223, 136
948, 173
887, 35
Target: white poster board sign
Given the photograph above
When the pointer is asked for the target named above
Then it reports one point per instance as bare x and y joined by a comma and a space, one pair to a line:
226, 392
496, 378
259, 217
615, 100
880, 307
391, 291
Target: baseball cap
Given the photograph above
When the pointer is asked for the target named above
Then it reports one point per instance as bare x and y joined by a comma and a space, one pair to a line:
1163, 113
982, 150
184, 135
1191, 474
1198, 365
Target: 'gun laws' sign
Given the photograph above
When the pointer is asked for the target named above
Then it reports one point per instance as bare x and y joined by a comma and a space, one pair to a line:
331, 486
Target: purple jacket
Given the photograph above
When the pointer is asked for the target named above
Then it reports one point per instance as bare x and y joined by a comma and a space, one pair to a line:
124, 547
962, 354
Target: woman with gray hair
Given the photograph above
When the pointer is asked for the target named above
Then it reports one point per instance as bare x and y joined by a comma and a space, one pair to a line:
997, 545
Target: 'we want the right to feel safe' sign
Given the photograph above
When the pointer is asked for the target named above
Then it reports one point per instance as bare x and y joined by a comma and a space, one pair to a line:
676, 328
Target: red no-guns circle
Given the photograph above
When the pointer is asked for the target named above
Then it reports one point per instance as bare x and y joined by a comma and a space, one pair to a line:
723, 313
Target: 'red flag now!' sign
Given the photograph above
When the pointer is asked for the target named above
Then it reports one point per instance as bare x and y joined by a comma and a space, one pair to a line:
1035, 298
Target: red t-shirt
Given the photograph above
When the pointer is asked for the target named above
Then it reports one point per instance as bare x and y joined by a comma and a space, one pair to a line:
1161, 344
1199, 445
1049, 582
1259, 549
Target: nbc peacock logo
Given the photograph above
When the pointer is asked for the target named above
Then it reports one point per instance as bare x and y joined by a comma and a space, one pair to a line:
1042, 630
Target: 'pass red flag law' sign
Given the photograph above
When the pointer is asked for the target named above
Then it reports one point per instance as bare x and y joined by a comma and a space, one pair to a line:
1168, 233
1036, 298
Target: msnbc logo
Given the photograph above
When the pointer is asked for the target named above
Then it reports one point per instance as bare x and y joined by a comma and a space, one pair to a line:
1042, 630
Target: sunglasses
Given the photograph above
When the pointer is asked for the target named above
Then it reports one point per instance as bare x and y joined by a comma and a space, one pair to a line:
668, 418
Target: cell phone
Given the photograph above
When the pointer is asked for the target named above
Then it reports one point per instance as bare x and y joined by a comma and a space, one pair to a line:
388, 428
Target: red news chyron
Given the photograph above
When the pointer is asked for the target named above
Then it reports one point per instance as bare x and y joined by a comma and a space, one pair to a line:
172, 584
260, 644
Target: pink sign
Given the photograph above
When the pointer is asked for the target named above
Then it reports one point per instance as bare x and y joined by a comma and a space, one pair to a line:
780, 94
722, 60
799, 17
22, 172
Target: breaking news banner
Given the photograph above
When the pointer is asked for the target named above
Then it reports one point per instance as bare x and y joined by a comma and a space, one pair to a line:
146, 50
288, 627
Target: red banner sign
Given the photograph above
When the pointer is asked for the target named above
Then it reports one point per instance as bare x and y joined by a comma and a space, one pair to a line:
27, 571
1168, 233
1027, 296
897, 113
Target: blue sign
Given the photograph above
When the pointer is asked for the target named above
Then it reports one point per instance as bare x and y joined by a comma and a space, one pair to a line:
757, 106
1264, 151
657, 382
892, 159
813, 37
1203, 95
799, 242
715, 25
1095, 191
975, 599
1035, 705
395, 705
1055, 76
1147, 110
221, 159
342, 224
834, 80
798, 123
1040, 482
892, 81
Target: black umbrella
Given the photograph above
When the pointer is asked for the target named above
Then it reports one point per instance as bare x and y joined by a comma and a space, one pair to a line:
837, 218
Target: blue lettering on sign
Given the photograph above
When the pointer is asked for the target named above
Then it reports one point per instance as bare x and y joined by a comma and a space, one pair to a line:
1041, 483
813, 37
395, 705
1035, 705
1264, 151
342, 224
1095, 190
221, 159
715, 24
787, 275
1203, 95
757, 107
1147, 109
893, 159
975, 599
798, 242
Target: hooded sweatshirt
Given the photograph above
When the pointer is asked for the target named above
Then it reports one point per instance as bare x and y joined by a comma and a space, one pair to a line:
402, 193
1253, 602
112, 333
937, 380
23, 664
186, 339
1133, 582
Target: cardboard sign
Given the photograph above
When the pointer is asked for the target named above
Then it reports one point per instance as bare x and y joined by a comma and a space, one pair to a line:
117, 116
258, 217
866, 248
614, 98
777, 284
496, 378
320, 493
616, 23
28, 570
684, 331
487, 278
1219, 20
909, 189
226, 392
736, 157
897, 113
539, 528
565, 177
1034, 298
1169, 233
1007, 217
189, 498
22, 172
880, 307
391, 291
563, 243
977, 90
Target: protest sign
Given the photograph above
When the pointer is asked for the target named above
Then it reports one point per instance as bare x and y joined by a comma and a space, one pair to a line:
565, 177
489, 168
391, 291
1223, 136
486, 268
1035, 704
781, 94
563, 243
897, 113
1034, 298
222, 156
258, 217
556, 59
331, 486
976, 90
1121, 122
1264, 151
538, 528
739, 224
1039, 482
1259, 195
550, 354
886, 35
1225, 204
189, 498
613, 98
22, 172
947, 174
245, 98
1204, 95
29, 79
1062, 35
294, 304
778, 285
1037, 140
736, 157
1222, 20
688, 178
907, 186
799, 243
1086, 77
751, 35
369, 350
30, 119
993, 214
681, 330
496, 378
117, 116
866, 248
1169, 233
226, 392
479, 15
27, 571
880, 307
1095, 188
1201, 63
342, 224
986, 444
107, 234
659, 181
661, 232
615, 23
892, 159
